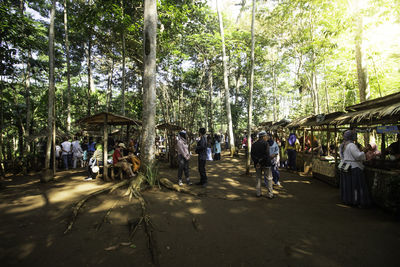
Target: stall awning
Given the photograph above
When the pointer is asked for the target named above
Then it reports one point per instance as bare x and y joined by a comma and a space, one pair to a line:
112, 119
169, 127
281, 123
389, 114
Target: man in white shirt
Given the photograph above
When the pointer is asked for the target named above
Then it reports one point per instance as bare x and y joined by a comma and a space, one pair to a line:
66, 148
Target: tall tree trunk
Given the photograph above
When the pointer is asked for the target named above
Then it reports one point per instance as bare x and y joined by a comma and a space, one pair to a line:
274, 92
123, 65
2, 173
362, 76
149, 83
67, 57
51, 115
250, 115
89, 72
226, 85
210, 101
109, 86
28, 102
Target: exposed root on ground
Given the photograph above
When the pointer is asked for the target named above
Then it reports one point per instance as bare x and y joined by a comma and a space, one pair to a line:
106, 216
80, 203
144, 220
170, 185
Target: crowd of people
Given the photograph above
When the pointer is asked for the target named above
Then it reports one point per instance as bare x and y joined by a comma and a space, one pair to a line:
89, 154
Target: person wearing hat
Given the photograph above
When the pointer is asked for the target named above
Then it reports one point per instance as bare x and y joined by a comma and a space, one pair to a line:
262, 163
183, 158
353, 187
120, 161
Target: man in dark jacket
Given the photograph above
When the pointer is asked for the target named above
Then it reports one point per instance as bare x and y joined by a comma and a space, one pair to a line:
262, 163
201, 150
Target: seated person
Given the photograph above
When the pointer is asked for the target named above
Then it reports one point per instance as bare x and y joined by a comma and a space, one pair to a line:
372, 152
120, 161
95, 160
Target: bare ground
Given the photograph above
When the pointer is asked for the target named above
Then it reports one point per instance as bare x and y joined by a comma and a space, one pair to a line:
226, 225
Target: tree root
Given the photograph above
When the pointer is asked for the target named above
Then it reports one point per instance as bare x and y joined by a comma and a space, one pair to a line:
170, 185
145, 220
106, 216
80, 203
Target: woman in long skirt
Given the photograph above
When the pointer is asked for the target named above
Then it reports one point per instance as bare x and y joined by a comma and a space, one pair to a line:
353, 187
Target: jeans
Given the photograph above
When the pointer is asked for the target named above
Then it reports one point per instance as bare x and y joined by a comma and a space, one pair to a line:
267, 177
65, 159
292, 159
75, 159
202, 171
275, 173
183, 167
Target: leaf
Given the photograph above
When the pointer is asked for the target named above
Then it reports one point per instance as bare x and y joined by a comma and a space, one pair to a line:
132, 246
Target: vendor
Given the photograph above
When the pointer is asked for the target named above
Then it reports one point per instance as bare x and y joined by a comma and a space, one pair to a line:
372, 152
394, 149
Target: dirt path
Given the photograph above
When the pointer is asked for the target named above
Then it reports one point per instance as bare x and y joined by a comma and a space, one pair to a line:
305, 225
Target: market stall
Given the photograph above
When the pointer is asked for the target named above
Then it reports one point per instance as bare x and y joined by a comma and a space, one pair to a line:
379, 117
104, 120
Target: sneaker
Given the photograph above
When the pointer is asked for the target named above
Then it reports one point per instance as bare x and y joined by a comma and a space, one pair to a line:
188, 182
278, 183
180, 183
88, 178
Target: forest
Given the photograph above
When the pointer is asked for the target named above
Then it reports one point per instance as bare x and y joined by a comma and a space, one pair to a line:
224, 65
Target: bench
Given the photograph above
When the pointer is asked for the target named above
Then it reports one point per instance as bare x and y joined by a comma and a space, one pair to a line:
113, 172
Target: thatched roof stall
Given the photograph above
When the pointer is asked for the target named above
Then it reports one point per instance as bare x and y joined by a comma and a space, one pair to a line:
171, 139
279, 124
384, 110
169, 127
112, 119
297, 123
105, 119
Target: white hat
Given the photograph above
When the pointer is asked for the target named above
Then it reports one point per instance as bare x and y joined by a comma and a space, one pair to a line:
122, 145
262, 133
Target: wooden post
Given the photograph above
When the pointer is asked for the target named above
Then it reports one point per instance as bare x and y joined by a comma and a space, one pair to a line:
383, 144
328, 138
312, 143
105, 148
336, 152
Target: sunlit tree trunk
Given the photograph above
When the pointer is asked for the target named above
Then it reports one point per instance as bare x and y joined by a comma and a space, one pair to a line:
250, 115
51, 121
67, 57
149, 83
362, 76
123, 66
210, 101
226, 85
89, 73
109, 85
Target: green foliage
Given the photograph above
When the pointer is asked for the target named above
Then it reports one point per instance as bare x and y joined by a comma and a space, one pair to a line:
151, 175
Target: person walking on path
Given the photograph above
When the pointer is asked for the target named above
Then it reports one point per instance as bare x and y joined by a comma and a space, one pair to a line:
353, 187
183, 158
262, 163
201, 150
274, 154
66, 148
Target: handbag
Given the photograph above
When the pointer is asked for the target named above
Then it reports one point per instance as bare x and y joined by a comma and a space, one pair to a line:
344, 167
95, 168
